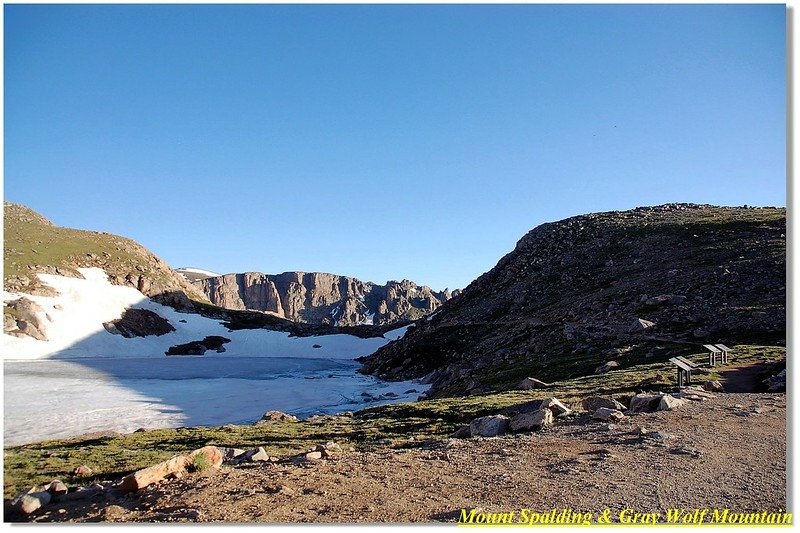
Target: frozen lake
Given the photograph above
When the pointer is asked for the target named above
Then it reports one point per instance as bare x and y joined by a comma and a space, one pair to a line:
51, 398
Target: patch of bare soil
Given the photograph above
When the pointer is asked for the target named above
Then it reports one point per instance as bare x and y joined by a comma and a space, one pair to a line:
728, 452
746, 377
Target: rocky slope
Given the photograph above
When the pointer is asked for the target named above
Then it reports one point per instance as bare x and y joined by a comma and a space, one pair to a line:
319, 298
649, 283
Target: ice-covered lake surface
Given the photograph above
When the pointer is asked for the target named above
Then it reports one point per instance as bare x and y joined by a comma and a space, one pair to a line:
70, 385
50, 398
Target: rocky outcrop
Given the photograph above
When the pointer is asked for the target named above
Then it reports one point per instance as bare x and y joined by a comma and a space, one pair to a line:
319, 298
24, 317
211, 342
646, 284
139, 323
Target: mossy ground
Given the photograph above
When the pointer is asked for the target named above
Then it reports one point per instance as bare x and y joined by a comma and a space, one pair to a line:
111, 457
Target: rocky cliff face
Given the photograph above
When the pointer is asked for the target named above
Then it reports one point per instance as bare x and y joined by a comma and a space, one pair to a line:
319, 298
630, 286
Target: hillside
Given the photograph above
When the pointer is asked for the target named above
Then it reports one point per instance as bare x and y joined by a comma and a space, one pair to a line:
33, 244
645, 284
320, 298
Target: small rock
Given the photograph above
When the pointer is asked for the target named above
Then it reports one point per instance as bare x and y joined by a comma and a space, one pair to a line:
533, 383
82, 471
605, 414
313, 456
640, 325
713, 386
261, 456
605, 367
113, 513
276, 416
489, 426
558, 408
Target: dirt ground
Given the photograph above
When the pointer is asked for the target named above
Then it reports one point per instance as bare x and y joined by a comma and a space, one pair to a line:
728, 452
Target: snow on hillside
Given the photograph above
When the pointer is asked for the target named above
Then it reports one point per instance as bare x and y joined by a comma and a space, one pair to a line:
198, 271
78, 312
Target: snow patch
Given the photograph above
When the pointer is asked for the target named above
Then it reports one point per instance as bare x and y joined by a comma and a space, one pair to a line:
81, 307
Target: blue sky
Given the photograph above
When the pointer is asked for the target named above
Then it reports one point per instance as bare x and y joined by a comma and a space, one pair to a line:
384, 142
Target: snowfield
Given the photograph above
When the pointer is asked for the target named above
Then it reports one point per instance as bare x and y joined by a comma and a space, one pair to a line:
78, 313
84, 379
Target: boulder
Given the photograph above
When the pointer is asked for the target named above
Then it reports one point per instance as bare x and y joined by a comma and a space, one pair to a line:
639, 325
313, 456
260, 456
556, 407
644, 403
594, 403
605, 414
605, 367
56, 487
30, 502
489, 426
232, 455
533, 383
532, 420
669, 402
713, 386
276, 416
213, 456
153, 474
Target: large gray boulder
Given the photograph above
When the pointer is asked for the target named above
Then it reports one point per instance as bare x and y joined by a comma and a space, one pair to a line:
644, 403
669, 402
594, 403
532, 420
489, 426
30, 502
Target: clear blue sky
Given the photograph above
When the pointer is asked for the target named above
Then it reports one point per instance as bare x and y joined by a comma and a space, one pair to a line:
384, 142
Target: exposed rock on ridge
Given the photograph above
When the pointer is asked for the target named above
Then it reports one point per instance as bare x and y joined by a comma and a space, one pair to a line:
320, 298
564, 301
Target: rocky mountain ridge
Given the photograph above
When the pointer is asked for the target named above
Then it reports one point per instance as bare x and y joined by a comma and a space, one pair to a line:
321, 298
627, 287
